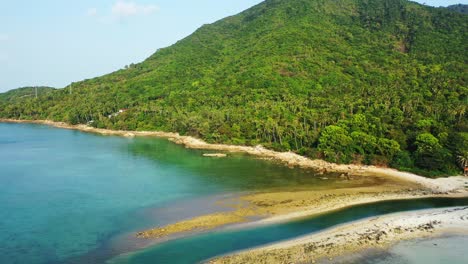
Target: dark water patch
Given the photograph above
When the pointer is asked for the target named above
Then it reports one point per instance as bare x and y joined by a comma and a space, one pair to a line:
4, 142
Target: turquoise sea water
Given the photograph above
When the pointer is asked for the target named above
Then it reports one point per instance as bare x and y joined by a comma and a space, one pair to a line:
65, 193
73, 197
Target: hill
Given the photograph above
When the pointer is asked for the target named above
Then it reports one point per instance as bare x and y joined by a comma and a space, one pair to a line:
460, 8
24, 93
366, 81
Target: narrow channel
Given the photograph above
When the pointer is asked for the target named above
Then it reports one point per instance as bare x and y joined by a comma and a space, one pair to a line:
202, 247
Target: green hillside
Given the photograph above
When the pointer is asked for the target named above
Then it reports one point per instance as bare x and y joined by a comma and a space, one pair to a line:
24, 93
367, 81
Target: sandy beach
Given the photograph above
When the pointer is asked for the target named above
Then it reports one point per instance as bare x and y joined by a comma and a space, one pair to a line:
381, 232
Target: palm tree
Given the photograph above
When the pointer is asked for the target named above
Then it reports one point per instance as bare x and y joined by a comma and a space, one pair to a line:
463, 161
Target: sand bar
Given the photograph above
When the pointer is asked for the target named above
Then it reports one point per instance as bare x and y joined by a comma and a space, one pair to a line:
381, 232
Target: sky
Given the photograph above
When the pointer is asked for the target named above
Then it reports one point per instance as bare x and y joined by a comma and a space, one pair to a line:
56, 42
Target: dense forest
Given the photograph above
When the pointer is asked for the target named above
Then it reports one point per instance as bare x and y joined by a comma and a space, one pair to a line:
351, 81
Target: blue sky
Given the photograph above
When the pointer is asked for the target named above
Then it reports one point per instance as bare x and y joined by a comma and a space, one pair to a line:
55, 42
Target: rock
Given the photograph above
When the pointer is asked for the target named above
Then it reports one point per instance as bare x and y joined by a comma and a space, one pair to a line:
130, 135
215, 155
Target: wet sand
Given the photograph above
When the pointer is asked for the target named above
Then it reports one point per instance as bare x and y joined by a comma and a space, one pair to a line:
375, 232
447, 248
282, 206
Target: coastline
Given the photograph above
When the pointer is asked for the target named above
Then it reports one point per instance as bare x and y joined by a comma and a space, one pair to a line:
283, 205
441, 185
375, 232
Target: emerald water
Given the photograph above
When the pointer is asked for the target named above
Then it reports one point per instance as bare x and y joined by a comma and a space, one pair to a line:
72, 197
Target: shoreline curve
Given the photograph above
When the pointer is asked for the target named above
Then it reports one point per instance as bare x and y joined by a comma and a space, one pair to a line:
440, 185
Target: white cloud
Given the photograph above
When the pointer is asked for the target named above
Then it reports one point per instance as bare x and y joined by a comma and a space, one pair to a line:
123, 9
92, 12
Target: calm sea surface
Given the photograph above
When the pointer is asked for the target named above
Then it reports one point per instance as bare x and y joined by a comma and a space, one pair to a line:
65, 193
73, 197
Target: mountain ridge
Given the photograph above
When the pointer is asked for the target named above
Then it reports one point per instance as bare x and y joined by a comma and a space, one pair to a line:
25, 92
460, 8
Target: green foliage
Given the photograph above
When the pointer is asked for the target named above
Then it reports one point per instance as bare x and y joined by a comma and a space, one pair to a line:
335, 143
427, 143
425, 124
22, 94
349, 80
430, 154
388, 147
365, 144
403, 160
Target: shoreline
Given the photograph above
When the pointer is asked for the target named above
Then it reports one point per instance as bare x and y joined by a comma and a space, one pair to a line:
374, 232
440, 185
284, 205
